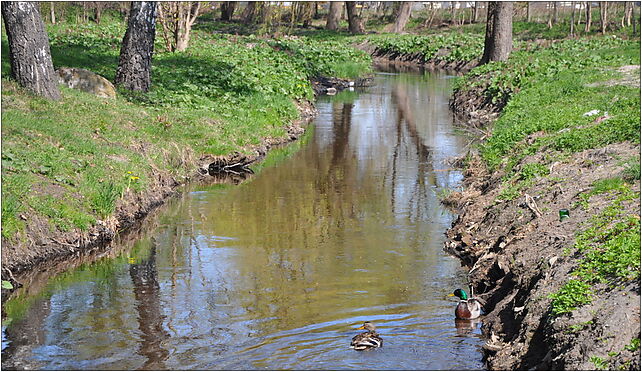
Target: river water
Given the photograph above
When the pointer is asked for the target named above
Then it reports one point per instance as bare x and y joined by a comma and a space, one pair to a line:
278, 272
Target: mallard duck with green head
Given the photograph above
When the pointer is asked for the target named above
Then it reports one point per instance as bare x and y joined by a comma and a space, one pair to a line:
367, 340
467, 308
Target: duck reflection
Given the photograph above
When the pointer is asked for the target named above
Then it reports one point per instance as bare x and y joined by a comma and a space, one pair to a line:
466, 327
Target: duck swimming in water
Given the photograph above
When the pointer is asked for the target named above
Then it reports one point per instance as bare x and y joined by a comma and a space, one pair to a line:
366, 340
467, 308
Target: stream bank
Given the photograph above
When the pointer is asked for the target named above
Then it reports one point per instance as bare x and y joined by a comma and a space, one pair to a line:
520, 255
46, 247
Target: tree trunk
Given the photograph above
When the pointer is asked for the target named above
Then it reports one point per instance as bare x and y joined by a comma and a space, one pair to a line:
629, 12
453, 12
572, 18
249, 12
475, 12
403, 16
227, 10
528, 11
29, 53
53, 12
355, 23
334, 13
589, 18
304, 12
555, 12
135, 63
176, 19
499, 32
603, 16
265, 13
98, 7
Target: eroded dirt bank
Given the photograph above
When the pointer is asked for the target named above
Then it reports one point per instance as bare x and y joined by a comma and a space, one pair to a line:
519, 253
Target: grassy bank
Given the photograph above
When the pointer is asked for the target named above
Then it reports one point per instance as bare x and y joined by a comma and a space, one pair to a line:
66, 165
567, 137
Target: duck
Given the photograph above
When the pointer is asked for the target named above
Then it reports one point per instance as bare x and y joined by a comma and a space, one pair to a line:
367, 340
467, 308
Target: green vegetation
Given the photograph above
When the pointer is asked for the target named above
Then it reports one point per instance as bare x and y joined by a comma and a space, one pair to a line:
610, 247
446, 47
70, 162
634, 345
599, 363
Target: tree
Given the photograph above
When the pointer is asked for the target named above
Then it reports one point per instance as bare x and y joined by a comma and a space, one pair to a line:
249, 12
499, 32
29, 53
589, 18
52, 12
475, 15
528, 11
334, 14
603, 16
176, 18
227, 10
355, 23
403, 15
572, 18
135, 63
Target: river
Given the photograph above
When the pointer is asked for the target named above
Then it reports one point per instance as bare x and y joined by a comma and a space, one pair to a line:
342, 227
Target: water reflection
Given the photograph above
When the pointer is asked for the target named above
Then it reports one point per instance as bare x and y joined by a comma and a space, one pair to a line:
277, 272
148, 307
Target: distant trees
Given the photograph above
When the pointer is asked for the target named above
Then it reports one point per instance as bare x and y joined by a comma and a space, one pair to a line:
403, 15
334, 15
355, 23
499, 32
176, 19
134, 70
29, 52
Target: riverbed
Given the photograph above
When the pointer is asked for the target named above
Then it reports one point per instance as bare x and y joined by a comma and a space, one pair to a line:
342, 227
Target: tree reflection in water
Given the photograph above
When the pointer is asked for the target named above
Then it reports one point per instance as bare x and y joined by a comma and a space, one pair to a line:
150, 315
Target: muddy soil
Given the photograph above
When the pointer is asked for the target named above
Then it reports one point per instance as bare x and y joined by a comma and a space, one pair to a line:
42, 246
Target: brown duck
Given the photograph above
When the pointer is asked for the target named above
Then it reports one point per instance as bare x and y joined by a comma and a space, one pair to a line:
367, 340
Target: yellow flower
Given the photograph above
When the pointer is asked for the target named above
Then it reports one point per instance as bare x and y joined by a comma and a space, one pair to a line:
129, 172
134, 178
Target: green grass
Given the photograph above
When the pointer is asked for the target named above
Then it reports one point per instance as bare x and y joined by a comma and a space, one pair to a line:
70, 162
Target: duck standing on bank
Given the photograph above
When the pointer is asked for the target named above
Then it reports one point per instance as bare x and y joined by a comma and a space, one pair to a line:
366, 340
467, 308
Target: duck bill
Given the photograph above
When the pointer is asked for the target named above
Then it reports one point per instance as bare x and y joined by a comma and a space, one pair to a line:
362, 327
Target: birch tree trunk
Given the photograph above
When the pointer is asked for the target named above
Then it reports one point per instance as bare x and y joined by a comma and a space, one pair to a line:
52, 12
134, 70
603, 15
589, 18
29, 52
